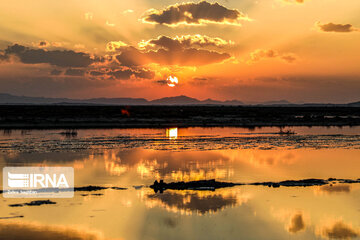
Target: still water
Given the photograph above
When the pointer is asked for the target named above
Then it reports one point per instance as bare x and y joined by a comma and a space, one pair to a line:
134, 158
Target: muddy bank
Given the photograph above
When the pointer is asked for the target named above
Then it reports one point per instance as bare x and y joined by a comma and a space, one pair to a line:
33, 203
193, 185
213, 184
89, 188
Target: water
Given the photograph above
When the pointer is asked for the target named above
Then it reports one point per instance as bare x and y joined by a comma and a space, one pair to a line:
136, 157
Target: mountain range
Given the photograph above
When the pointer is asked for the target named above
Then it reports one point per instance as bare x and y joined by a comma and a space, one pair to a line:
177, 100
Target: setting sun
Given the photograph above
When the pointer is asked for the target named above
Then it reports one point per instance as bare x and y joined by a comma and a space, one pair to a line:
172, 81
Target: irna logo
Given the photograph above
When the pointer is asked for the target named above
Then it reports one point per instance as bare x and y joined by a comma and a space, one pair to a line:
36, 182
17, 180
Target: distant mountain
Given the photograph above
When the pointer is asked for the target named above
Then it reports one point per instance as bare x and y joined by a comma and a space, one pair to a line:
11, 99
354, 104
211, 102
177, 100
279, 102
233, 102
117, 101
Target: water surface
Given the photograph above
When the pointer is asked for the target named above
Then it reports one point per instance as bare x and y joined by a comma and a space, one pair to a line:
134, 158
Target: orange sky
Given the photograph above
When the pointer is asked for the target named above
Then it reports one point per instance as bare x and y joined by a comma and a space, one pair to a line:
302, 51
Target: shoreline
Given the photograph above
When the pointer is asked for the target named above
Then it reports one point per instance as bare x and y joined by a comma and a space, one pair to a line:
83, 117
76, 125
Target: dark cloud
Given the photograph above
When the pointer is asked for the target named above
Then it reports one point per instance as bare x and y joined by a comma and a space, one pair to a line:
75, 72
165, 50
96, 73
297, 223
78, 63
161, 82
167, 43
200, 81
183, 57
55, 72
185, 41
288, 58
127, 73
200, 78
146, 74
64, 58
43, 44
260, 54
121, 74
193, 13
333, 27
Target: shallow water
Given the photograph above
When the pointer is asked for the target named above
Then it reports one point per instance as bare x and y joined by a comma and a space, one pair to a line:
136, 157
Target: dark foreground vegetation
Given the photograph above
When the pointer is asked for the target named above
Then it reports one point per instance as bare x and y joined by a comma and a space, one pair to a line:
63, 116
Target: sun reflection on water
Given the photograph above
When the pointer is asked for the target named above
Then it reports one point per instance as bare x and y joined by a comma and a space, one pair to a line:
172, 133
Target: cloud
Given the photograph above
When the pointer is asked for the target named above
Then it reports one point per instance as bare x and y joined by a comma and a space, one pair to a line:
63, 58
43, 44
145, 74
55, 72
127, 11
297, 223
75, 72
194, 13
96, 73
184, 41
334, 27
128, 73
260, 54
162, 82
172, 53
200, 78
180, 50
74, 64
114, 46
338, 230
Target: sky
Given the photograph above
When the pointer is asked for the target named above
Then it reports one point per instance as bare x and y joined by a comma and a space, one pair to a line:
248, 50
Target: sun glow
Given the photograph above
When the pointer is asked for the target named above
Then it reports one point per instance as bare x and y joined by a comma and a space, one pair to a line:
172, 81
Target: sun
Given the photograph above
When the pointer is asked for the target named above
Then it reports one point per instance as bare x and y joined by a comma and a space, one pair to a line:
172, 81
